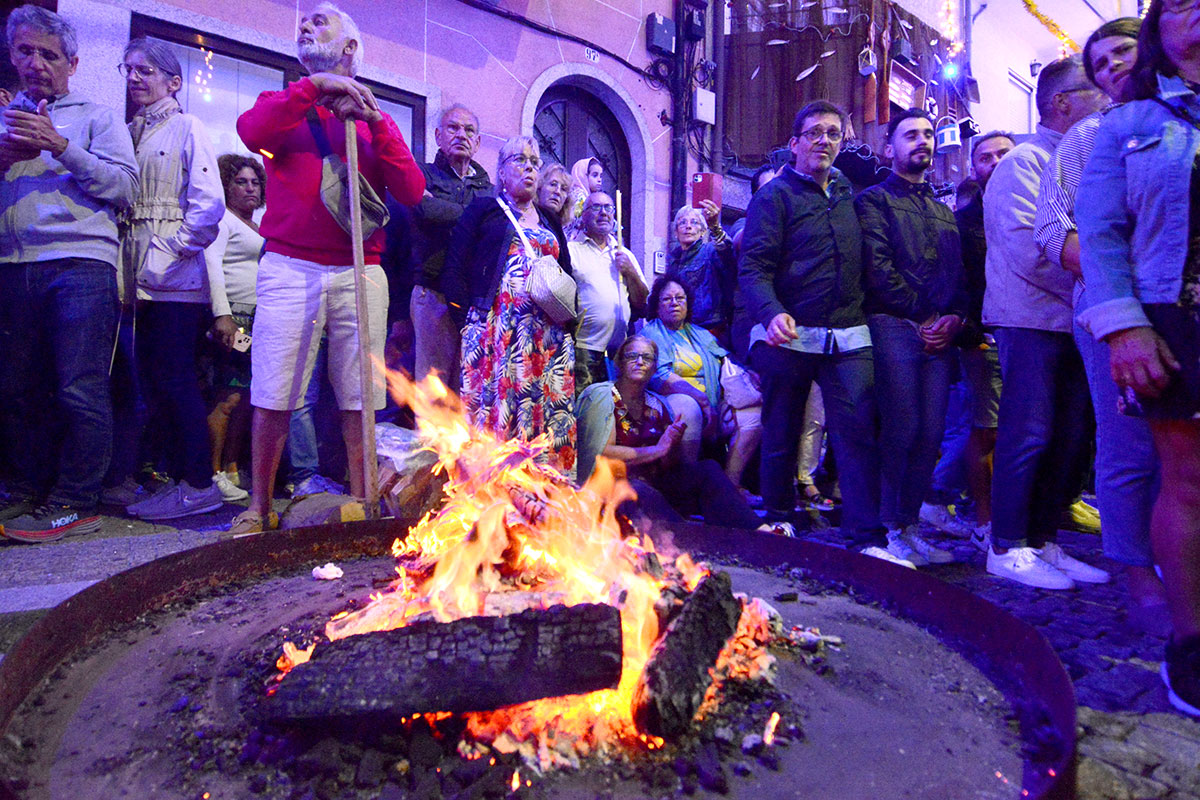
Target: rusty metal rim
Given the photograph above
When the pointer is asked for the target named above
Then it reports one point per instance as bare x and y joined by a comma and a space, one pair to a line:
1011, 647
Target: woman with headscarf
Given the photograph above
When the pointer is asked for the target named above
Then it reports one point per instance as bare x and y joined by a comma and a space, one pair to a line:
179, 206
587, 176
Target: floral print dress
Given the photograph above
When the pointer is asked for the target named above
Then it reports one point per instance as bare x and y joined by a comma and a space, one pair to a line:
518, 366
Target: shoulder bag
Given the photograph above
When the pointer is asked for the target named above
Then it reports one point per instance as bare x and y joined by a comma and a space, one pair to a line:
546, 281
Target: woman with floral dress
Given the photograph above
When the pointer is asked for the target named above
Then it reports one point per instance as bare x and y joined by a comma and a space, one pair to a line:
518, 365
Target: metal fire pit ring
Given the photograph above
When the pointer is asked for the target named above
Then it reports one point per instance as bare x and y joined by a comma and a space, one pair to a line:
1009, 647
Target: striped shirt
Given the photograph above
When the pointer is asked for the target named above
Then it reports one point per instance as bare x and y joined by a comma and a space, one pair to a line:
1055, 218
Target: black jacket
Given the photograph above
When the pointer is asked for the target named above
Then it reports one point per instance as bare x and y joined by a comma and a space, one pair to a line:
974, 248
802, 253
911, 251
477, 253
435, 217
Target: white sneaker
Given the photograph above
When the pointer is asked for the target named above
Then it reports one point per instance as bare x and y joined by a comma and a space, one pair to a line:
926, 549
901, 549
884, 555
942, 518
1073, 568
1021, 564
230, 491
981, 537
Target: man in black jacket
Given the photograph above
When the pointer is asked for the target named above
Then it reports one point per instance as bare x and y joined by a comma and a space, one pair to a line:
452, 181
802, 280
916, 303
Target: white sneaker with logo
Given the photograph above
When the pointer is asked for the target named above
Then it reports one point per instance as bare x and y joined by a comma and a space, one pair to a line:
1073, 568
1021, 564
945, 520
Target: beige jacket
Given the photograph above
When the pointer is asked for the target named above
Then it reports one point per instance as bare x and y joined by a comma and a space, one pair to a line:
179, 205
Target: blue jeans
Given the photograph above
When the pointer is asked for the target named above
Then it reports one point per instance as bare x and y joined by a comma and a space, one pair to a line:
950, 474
302, 429
912, 387
166, 345
1045, 413
1127, 470
847, 382
57, 324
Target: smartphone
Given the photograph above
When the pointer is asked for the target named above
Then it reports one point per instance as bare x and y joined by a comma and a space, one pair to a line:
706, 186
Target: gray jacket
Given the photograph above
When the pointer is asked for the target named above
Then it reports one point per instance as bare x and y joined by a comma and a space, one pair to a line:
1024, 288
67, 207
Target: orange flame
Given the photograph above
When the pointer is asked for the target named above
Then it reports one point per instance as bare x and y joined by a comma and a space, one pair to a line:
516, 780
769, 731
514, 534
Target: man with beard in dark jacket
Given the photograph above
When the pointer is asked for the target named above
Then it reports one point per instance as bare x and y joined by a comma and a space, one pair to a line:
802, 280
452, 181
916, 301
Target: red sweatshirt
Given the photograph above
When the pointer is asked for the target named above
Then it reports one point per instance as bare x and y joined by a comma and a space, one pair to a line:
296, 222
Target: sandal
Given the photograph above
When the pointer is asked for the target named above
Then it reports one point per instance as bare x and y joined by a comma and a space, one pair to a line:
816, 500
250, 522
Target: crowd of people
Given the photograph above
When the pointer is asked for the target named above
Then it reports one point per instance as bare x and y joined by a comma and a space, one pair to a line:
961, 357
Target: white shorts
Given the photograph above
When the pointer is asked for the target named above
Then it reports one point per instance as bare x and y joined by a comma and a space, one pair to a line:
298, 300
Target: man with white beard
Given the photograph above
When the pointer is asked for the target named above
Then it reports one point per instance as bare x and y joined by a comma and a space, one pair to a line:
306, 276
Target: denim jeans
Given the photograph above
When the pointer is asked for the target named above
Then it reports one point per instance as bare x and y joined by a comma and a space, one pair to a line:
847, 382
303, 453
950, 474
1127, 470
912, 388
57, 323
1045, 419
166, 344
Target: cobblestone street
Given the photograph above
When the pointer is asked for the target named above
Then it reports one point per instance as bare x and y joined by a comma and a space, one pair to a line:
1132, 744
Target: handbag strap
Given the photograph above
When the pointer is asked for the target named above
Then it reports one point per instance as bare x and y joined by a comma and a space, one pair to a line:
520, 231
318, 132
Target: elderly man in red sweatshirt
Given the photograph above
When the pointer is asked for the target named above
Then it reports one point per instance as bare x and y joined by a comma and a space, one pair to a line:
306, 276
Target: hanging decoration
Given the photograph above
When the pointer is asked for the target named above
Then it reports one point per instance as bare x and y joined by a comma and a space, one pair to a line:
1065, 43
950, 14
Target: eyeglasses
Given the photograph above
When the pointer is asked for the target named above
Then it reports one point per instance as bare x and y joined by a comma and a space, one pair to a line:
673, 300
524, 161
641, 358
466, 130
142, 70
601, 208
813, 135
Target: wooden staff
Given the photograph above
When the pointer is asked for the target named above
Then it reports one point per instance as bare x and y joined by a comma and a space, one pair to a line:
370, 467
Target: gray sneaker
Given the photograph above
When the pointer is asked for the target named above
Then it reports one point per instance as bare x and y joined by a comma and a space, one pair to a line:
316, 484
155, 498
184, 501
926, 549
884, 555
901, 549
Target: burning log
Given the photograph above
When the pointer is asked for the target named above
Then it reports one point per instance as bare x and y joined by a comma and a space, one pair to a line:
471, 664
673, 683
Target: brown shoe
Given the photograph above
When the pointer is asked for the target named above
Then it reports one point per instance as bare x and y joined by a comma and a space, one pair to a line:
250, 522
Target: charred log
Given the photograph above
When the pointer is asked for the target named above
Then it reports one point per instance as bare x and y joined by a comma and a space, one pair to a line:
472, 664
673, 683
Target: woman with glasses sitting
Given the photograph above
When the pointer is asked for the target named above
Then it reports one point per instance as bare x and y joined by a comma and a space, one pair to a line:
518, 365
688, 373
624, 421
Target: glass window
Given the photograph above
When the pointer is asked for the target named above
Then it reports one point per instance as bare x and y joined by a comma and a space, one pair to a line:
217, 89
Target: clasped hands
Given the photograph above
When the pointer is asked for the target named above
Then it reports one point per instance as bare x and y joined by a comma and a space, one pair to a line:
27, 134
345, 97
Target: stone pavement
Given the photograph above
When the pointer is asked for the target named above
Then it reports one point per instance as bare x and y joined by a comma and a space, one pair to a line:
1132, 744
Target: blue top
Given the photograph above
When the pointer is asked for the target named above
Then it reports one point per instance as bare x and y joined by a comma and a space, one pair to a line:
1133, 208
699, 340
